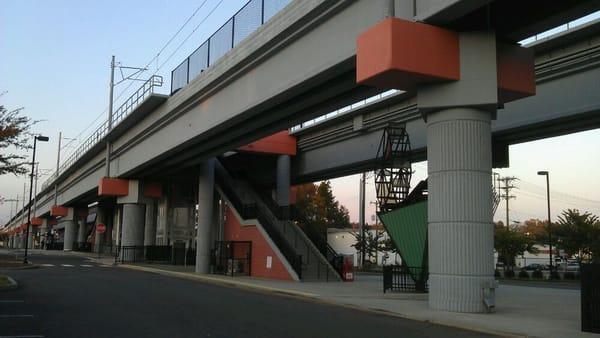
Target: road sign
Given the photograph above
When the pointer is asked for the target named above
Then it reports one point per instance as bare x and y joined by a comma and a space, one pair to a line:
100, 228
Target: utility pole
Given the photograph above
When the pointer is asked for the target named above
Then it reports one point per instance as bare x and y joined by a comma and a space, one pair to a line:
110, 113
361, 217
507, 187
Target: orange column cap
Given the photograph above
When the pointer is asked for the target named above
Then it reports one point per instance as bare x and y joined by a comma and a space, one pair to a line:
113, 187
400, 54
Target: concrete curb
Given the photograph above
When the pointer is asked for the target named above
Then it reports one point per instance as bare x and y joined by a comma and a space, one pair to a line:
26, 267
311, 297
12, 284
220, 281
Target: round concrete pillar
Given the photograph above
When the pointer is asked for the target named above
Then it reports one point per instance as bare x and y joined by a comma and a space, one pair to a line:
70, 232
206, 194
81, 233
133, 225
150, 226
461, 232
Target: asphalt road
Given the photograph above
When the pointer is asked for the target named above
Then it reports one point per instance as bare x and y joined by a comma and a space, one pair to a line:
73, 297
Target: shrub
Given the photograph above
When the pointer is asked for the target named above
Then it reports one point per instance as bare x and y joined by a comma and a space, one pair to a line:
523, 274
555, 275
537, 274
570, 275
509, 274
497, 273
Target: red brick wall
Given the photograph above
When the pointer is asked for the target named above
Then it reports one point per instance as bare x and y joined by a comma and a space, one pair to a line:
234, 231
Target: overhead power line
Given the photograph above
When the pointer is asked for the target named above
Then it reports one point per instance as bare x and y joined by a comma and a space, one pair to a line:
120, 94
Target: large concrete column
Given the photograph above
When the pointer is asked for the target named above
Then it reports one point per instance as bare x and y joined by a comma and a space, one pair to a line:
101, 217
150, 224
459, 154
283, 184
133, 224
70, 233
461, 233
206, 192
22, 241
30, 240
81, 232
283, 180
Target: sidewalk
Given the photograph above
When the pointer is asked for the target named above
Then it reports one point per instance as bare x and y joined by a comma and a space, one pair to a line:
521, 310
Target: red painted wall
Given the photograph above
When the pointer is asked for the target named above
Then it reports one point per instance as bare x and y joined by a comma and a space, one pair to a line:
234, 231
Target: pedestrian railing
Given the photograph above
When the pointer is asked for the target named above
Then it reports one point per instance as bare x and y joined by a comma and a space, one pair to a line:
404, 278
232, 258
253, 15
161, 254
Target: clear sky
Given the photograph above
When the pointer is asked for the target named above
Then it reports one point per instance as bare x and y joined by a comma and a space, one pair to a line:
55, 58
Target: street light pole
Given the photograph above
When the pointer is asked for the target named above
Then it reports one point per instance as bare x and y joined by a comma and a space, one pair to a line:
35, 139
547, 174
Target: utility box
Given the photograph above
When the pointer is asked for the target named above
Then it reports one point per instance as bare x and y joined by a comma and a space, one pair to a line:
590, 298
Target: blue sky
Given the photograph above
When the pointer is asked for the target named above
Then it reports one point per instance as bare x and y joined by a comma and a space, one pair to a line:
55, 63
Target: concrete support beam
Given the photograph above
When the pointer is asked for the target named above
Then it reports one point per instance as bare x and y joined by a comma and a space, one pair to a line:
459, 153
206, 192
150, 224
461, 233
70, 234
283, 180
81, 233
133, 224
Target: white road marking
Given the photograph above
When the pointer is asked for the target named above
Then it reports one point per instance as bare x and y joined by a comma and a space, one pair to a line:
67, 265
47, 264
16, 316
86, 265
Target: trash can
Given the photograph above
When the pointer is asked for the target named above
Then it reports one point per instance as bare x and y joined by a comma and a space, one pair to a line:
348, 268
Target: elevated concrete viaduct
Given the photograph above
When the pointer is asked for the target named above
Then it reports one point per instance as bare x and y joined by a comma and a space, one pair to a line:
313, 57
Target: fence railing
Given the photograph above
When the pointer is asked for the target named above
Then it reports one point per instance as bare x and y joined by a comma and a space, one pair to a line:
253, 15
165, 254
119, 115
404, 278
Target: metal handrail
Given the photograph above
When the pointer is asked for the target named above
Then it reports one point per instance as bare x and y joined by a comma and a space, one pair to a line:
102, 131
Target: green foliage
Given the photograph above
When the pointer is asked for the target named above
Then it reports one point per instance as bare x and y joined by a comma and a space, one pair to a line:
509, 274
570, 275
578, 233
537, 274
510, 243
318, 205
14, 135
371, 243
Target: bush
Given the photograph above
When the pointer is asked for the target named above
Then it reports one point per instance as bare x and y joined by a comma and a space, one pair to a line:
523, 274
555, 275
569, 275
509, 274
537, 274
497, 273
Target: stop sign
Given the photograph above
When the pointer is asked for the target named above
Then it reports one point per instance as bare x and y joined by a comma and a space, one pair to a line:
100, 228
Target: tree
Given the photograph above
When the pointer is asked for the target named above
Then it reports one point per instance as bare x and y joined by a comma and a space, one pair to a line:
370, 244
578, 233
317, 204
14, 133
510, 243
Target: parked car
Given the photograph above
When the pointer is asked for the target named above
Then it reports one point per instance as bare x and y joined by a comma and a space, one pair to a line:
572, 266
535, 266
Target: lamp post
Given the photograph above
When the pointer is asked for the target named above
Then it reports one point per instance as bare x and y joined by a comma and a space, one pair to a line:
35, 139
547, 174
